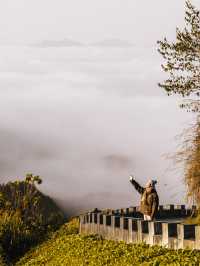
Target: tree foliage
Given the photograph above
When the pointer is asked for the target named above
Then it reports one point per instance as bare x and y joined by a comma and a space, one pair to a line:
182, 60
26, 216
182, 63
188, 155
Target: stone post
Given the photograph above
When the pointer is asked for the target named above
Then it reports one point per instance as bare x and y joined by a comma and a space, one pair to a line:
165, 235
197, 237
121, 228
86, 223
169, 230
104, 226
89, 217
180, 235
151, 226
86, 218
98, 223
81, 222
92, 217
113, 226
130, 230
93, 225
139, 227
135, 231
89, 224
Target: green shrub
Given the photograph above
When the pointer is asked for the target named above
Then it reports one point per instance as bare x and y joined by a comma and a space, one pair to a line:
26, 216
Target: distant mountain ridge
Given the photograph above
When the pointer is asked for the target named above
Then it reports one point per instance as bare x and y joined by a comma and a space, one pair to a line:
67, 42
58, 43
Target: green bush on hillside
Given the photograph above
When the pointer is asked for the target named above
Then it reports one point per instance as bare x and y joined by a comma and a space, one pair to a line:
26, 216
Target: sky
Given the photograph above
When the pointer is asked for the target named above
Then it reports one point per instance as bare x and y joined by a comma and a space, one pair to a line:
79, 100
27, 21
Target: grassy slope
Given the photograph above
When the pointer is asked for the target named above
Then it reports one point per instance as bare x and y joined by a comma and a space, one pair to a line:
67, 247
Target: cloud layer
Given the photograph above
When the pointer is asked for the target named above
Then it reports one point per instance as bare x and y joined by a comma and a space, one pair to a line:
86, 118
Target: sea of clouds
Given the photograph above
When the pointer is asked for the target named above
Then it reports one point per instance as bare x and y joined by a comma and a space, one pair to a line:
84, 118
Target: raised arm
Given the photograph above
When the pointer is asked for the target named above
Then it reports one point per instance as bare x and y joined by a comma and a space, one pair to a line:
136, 185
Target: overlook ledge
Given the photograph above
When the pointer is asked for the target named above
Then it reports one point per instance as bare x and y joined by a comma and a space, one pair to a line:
168, 229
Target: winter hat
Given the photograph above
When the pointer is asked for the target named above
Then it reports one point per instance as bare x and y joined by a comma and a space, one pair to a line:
151, 183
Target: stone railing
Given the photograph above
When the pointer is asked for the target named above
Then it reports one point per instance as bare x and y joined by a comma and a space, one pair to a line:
169, 231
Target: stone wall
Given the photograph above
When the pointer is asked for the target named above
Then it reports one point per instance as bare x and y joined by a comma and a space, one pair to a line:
125, 225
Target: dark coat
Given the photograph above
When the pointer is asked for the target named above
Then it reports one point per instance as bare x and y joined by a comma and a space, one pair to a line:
149, 200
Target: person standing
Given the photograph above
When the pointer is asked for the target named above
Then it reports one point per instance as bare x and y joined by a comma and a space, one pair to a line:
149, 198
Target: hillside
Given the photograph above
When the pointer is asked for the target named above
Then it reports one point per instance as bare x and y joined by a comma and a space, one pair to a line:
27, 216
25, 198
67, 247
